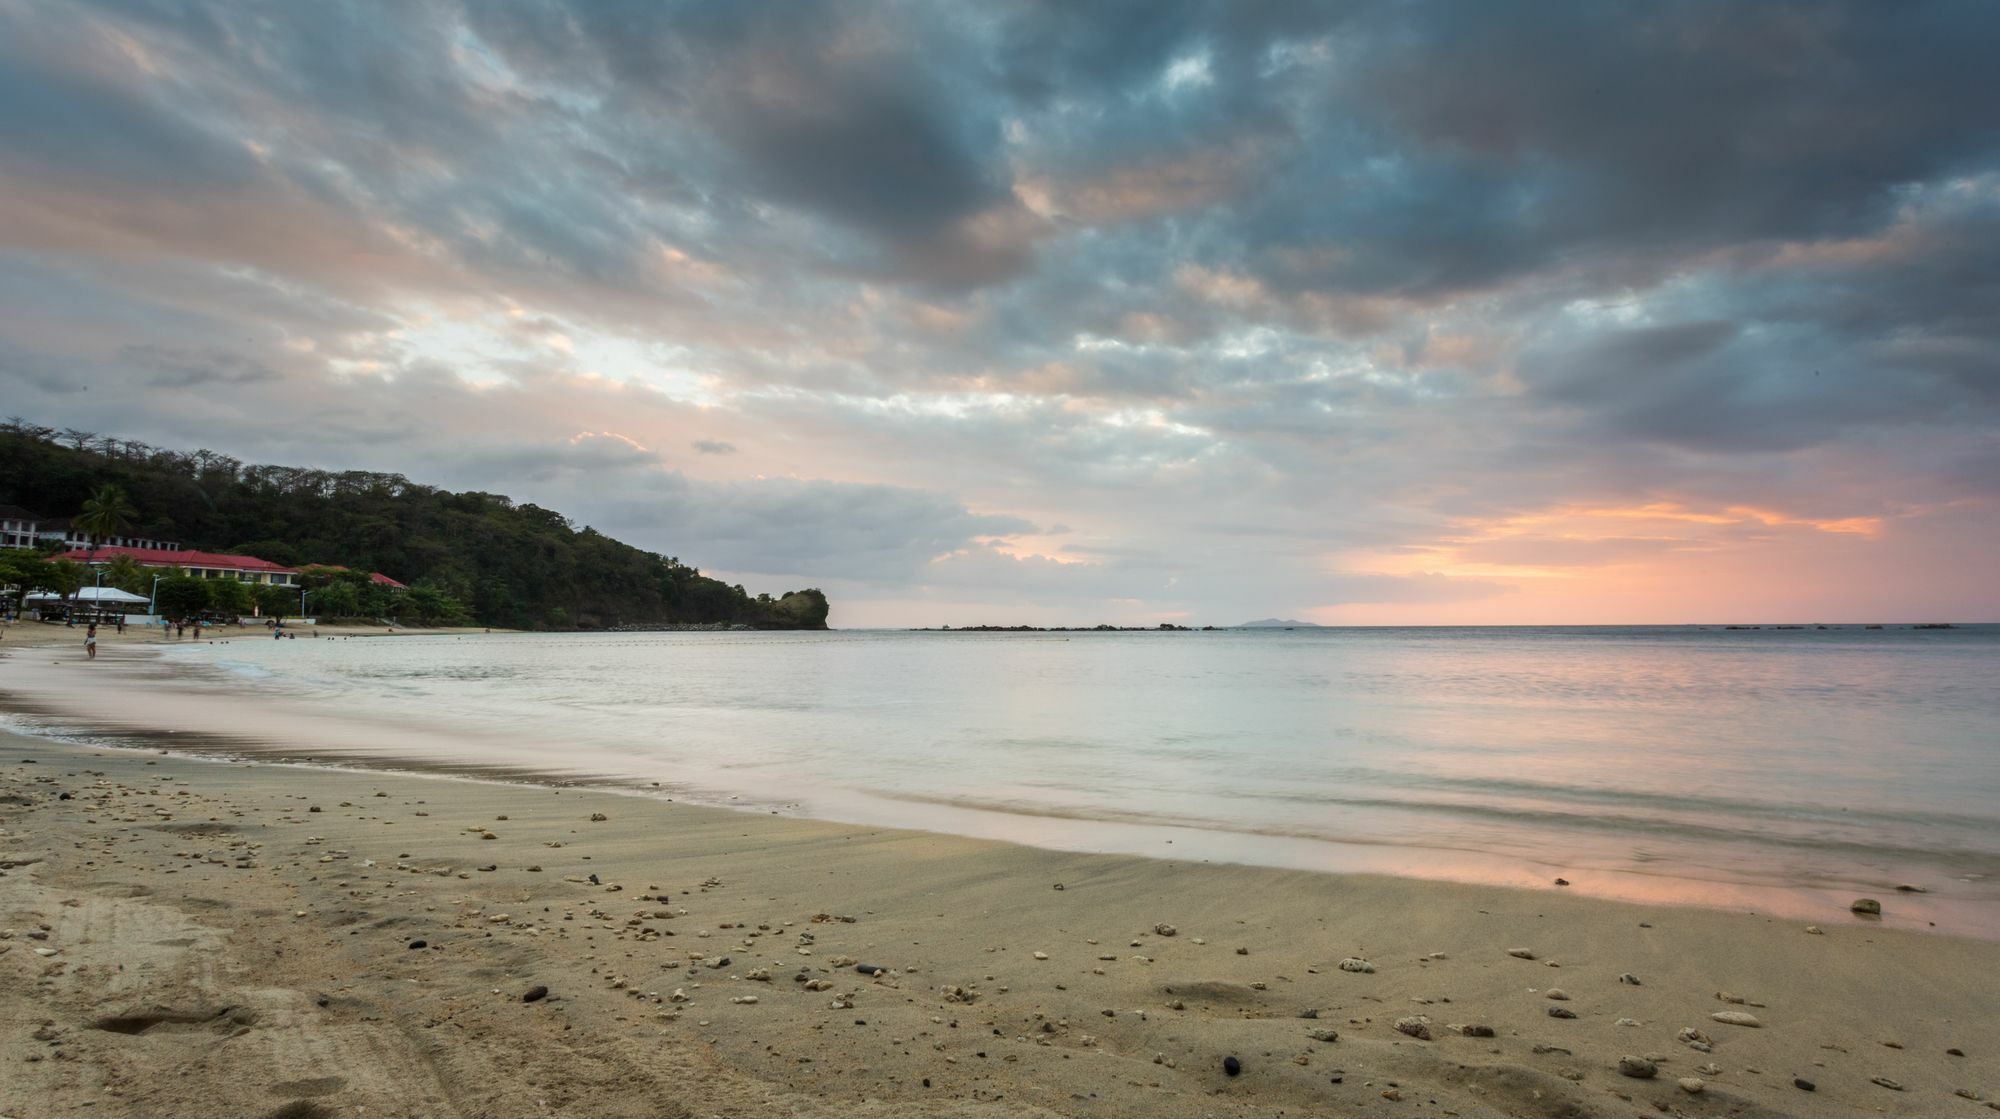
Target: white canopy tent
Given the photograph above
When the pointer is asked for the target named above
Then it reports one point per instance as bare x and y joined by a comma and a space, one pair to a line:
92, 596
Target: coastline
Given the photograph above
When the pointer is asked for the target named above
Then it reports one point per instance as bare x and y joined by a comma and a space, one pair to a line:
176, 886
144, 696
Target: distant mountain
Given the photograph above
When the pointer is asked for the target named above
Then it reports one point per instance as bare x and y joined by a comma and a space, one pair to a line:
1278, 623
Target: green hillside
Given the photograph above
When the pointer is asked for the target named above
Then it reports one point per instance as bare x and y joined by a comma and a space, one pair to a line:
519, 566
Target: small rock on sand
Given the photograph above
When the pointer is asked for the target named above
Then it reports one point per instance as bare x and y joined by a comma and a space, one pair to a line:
1561, 1012
1323, 1035
1629, 979
1558, 994
1231, 1066
1639, 1068
1692, 1085
1521, 953
535, 993
1418, 1027
1867, 906
415, 944
1476, 1031
1165, 929
1804, 1085
1736, 1018
1356, 964
1886, 1083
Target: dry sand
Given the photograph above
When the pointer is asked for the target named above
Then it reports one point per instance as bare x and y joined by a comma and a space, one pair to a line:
192, 937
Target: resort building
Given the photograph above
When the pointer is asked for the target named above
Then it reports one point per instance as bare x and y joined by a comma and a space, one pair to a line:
18, 527
63, 532
201, 565
375, 577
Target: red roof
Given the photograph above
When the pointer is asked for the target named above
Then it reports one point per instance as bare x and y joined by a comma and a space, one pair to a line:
375, 577
161, 557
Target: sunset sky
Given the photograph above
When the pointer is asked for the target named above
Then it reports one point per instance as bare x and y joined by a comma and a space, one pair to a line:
1060, 312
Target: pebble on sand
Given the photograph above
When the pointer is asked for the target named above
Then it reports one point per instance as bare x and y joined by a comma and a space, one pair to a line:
535, 993
1561, 1012
1886, 1083
1521, 953
1357, 964
1416, 1026
1231, 1066
1639, 1068
1692, 1085
1736, 1018
1804, 1085
1866, 906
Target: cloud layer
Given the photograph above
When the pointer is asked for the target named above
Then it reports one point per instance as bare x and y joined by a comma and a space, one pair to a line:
1037, 311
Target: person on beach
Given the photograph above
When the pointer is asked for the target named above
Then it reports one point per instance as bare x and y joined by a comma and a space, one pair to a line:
90, 641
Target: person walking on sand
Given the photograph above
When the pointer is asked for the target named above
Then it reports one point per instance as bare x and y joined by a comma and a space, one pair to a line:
90, 641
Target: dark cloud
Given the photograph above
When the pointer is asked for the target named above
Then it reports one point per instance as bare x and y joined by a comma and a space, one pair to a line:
1255, 297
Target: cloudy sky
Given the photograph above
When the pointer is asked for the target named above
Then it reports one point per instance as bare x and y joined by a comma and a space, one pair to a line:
1060, 312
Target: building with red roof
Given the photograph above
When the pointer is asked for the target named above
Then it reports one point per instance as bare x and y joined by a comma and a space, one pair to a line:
375, 577
201, 565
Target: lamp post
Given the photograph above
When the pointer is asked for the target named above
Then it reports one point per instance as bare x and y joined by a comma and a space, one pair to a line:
153, 600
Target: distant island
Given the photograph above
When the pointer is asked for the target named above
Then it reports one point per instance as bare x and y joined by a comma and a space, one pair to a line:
1278, 623
464, 558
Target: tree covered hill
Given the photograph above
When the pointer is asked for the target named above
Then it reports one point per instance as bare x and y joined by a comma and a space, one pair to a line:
519, 566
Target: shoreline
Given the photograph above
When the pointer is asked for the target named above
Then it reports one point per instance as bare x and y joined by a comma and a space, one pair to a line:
321, 904
1950, 906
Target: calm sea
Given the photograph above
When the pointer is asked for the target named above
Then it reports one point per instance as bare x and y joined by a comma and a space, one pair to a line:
1785, 771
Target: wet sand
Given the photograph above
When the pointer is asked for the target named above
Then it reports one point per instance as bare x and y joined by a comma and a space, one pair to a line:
210, 945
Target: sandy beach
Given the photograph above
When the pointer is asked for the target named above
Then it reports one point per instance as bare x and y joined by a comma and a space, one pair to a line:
41, 635
195, 937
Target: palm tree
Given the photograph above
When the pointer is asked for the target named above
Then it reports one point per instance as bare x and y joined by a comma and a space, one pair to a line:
105, 515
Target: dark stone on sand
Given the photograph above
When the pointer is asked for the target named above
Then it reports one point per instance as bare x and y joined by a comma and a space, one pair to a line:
1231, 1066
535, 993
416, 944
870, 969
65, 796
594, 881
1638, 1068
1804, 1085
1561, 1012
1867, 906
1562, 881
1955, 1052
1477, 1031
314, 808
1309, 1012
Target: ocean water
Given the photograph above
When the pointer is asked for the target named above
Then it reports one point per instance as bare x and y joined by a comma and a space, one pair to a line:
1784, 771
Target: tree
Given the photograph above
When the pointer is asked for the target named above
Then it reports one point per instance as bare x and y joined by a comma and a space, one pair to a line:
125, 573
181, 598
229, 597
338, 599
21, 572
276, 602
66, 577
107, 513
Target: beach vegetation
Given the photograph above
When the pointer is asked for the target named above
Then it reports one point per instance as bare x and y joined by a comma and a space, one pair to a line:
480, 558
181, 598
105, 513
